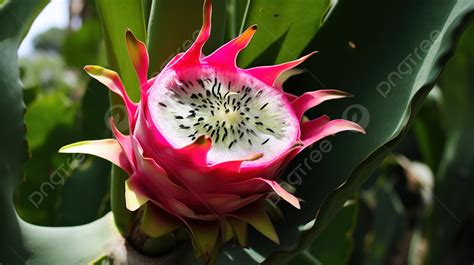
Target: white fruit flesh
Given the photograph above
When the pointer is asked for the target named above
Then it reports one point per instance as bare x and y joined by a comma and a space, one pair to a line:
242, 115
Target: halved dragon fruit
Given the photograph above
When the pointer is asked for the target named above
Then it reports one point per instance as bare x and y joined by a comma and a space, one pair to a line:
208, 140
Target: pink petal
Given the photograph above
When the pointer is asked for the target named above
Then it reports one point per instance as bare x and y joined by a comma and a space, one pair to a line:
290, 97
154, 178
112, 80
139, 56
312, 99
124, 141
269, 74
182, 210
173, 61
196, 153
108, 149
287, 75
224, 203
290, 198
259, 186
194, 54
314, 130
227, 54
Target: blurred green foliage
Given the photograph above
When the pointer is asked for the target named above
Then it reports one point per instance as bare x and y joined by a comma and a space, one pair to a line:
63, 106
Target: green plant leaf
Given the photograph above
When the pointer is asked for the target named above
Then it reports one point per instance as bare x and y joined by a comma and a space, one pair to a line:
335, 244
453, 209
72, 245
116, 17
430, 129
390, 72
15, 18
285, 28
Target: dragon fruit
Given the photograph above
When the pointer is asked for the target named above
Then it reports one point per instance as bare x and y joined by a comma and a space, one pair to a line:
208, 140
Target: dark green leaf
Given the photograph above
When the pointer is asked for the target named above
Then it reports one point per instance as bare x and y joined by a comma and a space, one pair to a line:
335, 244
390, 71
285, 27
15, 18
116, 17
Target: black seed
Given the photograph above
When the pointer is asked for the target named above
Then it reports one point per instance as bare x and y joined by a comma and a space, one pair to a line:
213, 87
196, 124
162, 104
262, 107
208, 93
247, 109
210, 128
200, 119
212, 112
201, 83
231, 143
266, 141
270, 130
178, 117
241, 135
212, 133
184, 127
258, 123
247, 118
219, 90
247, 101
250, 142
182, 89
194, 96
242, 113
257, 117
200, 95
